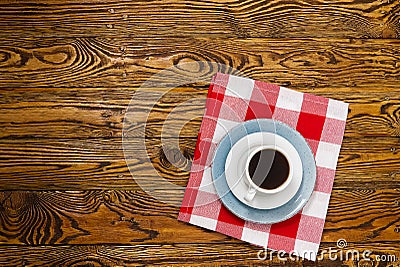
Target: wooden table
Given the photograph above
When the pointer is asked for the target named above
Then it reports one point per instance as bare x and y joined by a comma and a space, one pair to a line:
69, 69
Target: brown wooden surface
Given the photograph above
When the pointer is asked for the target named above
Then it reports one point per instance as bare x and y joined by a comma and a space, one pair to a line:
308, 63
69, 69
250, 18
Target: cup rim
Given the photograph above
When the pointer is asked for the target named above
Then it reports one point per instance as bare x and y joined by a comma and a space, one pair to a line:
282, 186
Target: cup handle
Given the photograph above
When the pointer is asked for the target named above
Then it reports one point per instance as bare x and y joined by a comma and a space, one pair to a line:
250, 194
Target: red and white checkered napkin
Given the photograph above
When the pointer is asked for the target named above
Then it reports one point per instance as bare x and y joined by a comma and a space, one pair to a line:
232, 100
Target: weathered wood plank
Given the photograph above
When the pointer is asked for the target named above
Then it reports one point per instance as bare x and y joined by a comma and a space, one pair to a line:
99, 113
251, 18
58, 164
367, 65
87, 217
200, 254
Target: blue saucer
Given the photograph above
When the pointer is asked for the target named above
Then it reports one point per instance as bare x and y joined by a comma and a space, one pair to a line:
281, 213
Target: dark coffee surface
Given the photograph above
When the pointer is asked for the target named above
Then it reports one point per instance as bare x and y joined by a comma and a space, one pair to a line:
269, 168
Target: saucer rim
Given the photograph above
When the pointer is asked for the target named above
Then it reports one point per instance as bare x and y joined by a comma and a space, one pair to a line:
270, 196
251, 214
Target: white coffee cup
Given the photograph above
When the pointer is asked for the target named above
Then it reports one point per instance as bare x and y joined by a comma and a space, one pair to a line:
253, 188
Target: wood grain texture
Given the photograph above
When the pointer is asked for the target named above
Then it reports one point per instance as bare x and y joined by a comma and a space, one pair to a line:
69, 69
250, 18
88, 217
62, 138
99, 112
202, 254
100, 163
358, 65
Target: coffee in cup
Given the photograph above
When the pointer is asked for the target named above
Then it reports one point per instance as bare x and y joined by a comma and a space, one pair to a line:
268, 171
268, 168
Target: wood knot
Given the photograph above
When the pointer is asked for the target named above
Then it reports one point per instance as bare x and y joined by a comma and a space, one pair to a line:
172, 156
87, 263
4, 56
110, 197
16, 203
59, 55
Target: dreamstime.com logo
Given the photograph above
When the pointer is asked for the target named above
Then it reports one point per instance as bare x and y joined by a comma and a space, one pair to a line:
333, 254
